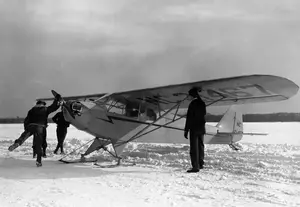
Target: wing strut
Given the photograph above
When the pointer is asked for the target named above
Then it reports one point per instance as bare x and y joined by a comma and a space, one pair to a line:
72, 152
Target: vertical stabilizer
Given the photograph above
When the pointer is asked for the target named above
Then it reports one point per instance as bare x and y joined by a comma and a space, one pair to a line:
232, 122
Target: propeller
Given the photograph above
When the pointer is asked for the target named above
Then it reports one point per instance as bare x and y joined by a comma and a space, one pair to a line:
64, 104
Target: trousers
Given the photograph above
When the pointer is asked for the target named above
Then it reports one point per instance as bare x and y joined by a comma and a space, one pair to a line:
39, 139
196, 149
61, 133
44, 143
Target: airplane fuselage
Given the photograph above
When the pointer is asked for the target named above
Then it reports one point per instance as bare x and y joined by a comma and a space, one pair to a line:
96, 120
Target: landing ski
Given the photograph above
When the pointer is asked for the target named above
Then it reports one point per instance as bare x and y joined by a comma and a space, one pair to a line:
110, 165
78, 160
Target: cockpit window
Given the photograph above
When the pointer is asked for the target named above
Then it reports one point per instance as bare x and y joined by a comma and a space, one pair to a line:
138, 112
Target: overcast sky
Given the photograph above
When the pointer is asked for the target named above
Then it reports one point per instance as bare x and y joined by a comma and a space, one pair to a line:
94, 46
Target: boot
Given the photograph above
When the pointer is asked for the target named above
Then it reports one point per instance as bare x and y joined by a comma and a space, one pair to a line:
38, 164
55, 151
33, 153
62, 151
38, 160
192, 170
13, 146
44, 153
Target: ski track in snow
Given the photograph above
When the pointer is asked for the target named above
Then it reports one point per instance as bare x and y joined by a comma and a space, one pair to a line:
259, 175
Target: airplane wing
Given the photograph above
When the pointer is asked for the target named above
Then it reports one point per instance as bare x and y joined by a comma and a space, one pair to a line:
217, 92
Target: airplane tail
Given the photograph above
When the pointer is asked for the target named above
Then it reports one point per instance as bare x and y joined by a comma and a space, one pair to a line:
232, 124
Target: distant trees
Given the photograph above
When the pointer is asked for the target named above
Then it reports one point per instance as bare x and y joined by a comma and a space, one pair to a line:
274, 117
16, 120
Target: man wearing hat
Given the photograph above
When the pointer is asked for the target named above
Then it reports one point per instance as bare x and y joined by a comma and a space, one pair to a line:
195, 125
35, 124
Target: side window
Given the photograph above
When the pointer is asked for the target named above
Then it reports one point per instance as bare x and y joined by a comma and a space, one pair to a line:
140, 112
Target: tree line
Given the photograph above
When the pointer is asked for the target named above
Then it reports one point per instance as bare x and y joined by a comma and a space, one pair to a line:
274, 117
16, 120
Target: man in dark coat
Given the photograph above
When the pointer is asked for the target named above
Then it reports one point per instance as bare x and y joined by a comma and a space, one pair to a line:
195, 125
35, 124
61, 130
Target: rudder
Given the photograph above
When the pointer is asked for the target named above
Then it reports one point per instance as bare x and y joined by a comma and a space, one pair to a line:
232, 122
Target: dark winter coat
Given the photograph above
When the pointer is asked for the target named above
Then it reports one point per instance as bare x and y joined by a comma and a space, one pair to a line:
38, 115
195, 119
60, 120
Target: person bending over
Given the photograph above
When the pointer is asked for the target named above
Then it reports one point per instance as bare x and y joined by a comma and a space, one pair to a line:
35, 124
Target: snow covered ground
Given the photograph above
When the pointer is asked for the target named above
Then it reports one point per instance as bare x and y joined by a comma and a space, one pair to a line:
265, 173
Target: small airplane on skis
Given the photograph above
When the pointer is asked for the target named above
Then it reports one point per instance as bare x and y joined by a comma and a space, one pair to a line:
121, 117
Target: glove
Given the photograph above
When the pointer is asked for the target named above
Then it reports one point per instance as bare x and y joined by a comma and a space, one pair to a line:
186, 134
58, 97
60, 102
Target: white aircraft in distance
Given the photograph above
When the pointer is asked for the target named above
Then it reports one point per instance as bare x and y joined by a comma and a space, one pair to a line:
121, 117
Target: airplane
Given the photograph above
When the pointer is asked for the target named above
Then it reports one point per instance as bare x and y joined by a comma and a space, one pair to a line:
121, 117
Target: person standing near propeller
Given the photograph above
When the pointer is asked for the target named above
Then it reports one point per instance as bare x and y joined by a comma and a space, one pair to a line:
61, 130
35, 124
